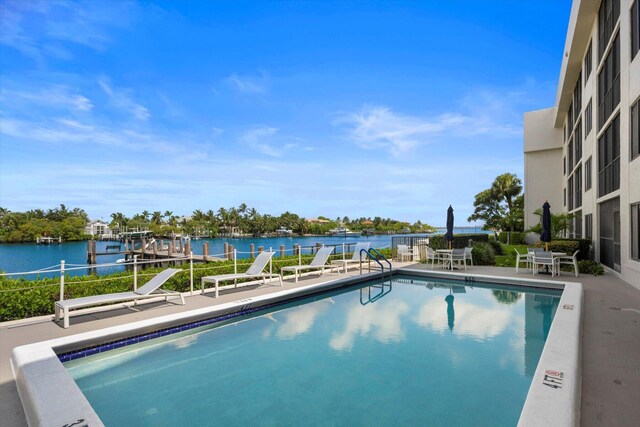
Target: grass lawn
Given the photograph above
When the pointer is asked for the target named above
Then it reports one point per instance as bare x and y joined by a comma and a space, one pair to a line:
509, 257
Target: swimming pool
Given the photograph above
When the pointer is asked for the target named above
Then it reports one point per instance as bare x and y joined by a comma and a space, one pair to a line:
406, 351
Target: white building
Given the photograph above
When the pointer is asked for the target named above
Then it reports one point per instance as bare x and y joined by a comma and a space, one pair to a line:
583, 154
97, 227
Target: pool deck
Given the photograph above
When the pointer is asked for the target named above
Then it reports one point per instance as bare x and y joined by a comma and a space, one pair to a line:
610, 343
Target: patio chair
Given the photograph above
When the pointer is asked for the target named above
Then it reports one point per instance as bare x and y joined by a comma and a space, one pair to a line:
545, 258
520, 258
404, 251
319, 262
150, 290
468, 255
255, 270
459, 256
355, 258
569, 260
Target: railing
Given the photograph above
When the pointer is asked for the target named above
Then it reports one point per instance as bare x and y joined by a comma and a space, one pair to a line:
381, 288
373, 254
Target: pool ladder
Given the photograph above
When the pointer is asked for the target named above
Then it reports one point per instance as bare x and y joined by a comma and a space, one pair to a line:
373, 254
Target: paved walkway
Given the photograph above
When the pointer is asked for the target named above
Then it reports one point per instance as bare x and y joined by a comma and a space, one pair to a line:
611, 342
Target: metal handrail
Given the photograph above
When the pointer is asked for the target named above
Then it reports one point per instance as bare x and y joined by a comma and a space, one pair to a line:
373, 254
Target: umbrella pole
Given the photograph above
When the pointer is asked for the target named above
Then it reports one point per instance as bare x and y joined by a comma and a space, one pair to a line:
546, 246
449, 245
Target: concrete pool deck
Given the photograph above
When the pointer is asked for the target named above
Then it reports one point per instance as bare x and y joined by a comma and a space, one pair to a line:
611, 340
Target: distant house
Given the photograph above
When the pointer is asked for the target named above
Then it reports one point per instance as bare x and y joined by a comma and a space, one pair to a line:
97, 227
317, 221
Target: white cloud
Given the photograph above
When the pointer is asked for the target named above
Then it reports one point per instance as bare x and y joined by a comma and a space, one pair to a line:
264, 139
40, 29
121, 99
247, 84
379, 127
56, 96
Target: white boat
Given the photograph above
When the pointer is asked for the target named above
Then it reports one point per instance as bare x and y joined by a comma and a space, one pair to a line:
343, 231
283, 231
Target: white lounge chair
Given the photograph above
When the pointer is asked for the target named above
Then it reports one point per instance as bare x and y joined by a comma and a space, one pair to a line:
319, 262
435, 257
150, 290
468, 255
355, 258
459, 256
255, 270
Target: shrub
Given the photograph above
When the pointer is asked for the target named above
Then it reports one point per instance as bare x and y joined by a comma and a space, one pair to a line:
21, 298
512, 238
483, 254
569, 246
588, 266
497, 247
459, 240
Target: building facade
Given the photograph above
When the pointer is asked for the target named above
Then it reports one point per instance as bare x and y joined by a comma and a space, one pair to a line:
583, 154
97, 227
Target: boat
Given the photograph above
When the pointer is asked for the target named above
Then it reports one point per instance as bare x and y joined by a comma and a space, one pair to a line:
343, 231
284, 231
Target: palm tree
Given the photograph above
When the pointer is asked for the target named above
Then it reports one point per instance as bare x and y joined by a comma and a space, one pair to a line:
507, 186
156, 218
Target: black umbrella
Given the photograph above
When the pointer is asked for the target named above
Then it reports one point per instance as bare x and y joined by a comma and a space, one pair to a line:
449, 234
546, 225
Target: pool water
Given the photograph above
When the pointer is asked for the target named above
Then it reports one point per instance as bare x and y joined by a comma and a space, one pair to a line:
409, 351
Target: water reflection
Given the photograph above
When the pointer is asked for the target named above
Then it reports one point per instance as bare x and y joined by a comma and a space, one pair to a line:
382, 321
506, 297
370, 294
299, 320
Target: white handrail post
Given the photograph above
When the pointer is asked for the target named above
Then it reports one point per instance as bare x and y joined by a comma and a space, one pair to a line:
235, 261
135, 272
343, 255
62, 280
191, 271
299, 256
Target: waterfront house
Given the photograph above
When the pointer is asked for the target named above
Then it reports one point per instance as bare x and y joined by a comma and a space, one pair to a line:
97, 227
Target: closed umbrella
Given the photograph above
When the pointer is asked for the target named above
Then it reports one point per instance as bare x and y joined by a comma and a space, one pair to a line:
546, 224
449, 234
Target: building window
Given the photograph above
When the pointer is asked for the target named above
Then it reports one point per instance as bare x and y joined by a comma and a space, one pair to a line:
577, 144
577, 225
564, 165
588, 226
635, 231
564, 197
570, 118
577, 186
587, 64
570, 153
570, 191
635, 29
607, 18
588, 115
609, 159
609, 84
634, 132
587, 174
577, 99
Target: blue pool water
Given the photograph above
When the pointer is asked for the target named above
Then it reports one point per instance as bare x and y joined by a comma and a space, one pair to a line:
410, 352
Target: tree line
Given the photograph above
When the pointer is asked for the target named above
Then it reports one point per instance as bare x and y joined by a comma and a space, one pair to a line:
70, 224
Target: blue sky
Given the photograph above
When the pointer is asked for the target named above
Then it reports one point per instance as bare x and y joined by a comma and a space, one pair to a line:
392, 109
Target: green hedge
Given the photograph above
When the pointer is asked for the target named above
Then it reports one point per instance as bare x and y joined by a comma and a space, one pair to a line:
569, 246
21, 298
512, 238
459, 240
